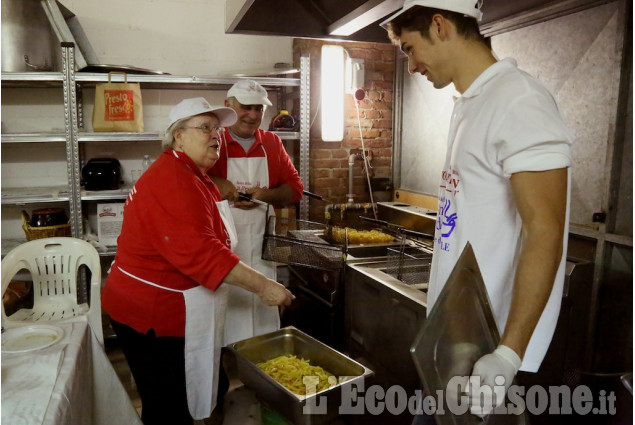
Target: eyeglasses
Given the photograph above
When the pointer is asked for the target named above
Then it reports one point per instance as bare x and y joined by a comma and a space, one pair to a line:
256, 108
208, 129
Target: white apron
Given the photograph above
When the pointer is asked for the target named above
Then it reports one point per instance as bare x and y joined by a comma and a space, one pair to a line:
247, 315
204, 323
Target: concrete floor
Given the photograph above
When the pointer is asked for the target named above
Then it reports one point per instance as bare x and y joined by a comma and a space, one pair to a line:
241, 405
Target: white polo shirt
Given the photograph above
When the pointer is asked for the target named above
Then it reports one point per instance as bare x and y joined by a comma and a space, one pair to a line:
506, 122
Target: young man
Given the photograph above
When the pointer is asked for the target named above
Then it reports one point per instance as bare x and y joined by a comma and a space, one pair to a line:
504, 186
252, 161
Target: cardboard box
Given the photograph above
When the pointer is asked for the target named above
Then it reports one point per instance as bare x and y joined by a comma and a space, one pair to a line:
109, 220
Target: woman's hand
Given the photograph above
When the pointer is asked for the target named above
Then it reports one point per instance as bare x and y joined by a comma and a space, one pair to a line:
270, 292
273, 293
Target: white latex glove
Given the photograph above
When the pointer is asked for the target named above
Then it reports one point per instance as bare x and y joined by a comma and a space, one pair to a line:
460, 361
492, 376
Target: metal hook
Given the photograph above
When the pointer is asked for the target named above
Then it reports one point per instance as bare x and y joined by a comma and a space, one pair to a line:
46, 67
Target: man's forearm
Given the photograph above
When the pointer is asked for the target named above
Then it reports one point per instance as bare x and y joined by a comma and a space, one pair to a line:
280, 195
533, 284
541, 198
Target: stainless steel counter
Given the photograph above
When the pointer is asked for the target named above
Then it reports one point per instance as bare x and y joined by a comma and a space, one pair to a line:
376, 270
408, 216
382, 318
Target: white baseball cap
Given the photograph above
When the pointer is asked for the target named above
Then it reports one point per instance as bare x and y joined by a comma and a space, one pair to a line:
198, 105
467, 7
249, 92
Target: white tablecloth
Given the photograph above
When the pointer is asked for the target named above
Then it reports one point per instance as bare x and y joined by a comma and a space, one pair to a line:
69, 383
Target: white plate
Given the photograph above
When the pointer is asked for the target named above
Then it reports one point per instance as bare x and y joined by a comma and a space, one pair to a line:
30, 338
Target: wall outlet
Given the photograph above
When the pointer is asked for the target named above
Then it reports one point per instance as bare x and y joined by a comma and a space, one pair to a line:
354, 75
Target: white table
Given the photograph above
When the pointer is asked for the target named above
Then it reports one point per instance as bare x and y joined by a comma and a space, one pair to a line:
76, 385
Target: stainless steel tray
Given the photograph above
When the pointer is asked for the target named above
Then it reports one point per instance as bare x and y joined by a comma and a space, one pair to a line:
459, 329
318, 408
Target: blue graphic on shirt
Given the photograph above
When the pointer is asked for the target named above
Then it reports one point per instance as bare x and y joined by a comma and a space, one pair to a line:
446, 222
447, 218
450, 220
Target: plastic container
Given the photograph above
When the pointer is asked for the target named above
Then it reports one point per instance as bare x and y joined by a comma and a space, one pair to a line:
147, 161
282, 121
48, 217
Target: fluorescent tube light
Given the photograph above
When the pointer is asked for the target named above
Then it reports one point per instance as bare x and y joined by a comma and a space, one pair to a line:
332, 86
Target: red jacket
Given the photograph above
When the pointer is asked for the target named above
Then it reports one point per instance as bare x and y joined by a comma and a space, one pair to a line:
173, 236
281, 168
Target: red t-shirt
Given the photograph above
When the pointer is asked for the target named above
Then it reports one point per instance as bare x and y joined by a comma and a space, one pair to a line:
173, 236
281, 168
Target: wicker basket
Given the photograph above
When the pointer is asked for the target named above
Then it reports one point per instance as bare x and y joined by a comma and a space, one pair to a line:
33, 233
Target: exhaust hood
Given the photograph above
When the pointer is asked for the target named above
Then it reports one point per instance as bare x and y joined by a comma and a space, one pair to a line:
350, 20
358, 20
32, 31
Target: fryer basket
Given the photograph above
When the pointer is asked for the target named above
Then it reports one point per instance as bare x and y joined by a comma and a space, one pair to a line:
300, 242
409, 264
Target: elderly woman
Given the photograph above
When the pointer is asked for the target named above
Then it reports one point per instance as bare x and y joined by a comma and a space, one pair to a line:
166, 290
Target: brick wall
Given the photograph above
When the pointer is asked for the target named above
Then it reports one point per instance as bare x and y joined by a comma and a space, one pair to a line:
328, 163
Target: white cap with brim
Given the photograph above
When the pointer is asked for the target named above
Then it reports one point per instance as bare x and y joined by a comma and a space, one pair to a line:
249, 92
467, 7
198, 105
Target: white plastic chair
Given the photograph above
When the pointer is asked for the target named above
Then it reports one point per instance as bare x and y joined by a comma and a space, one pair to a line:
54, 264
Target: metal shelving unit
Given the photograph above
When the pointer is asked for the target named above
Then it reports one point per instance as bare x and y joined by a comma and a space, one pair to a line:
151, 136
166, 81
34, 195
33, 138
21, 196
32, 79
72, 83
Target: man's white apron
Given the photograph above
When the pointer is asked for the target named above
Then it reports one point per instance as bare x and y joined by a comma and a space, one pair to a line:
247, 315
204, 331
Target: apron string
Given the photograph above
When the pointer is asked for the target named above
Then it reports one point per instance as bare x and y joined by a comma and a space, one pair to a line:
148, 282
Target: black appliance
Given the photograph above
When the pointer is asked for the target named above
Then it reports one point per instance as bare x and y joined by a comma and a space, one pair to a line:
318, 308
102, 174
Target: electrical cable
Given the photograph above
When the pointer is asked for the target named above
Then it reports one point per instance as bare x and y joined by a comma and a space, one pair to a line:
317, 110
359, 96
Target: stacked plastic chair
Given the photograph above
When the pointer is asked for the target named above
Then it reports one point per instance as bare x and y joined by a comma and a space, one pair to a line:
55, 265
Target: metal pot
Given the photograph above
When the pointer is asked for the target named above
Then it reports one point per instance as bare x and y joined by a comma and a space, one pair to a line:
28, 42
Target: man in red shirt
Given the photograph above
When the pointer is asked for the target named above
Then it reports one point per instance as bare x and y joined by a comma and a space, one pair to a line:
252, 161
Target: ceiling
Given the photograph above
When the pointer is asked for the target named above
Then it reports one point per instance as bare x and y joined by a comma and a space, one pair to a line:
352, 20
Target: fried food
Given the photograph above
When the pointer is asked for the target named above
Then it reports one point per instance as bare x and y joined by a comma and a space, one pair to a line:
356, 237
288, 370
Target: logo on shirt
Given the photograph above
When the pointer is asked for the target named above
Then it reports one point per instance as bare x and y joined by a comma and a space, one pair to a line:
450, 181
447, 216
